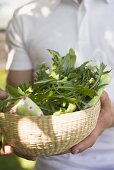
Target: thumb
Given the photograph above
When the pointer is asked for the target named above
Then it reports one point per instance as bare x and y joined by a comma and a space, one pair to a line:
8, 150
104, 99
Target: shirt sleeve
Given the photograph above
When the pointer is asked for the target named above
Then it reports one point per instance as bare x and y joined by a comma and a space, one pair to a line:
17, 57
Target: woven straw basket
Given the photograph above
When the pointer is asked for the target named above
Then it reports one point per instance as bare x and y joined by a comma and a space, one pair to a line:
48, 135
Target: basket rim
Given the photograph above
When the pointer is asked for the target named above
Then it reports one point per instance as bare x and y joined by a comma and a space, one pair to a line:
53, 116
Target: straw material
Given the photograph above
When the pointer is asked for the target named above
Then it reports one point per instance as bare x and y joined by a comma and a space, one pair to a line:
48, 135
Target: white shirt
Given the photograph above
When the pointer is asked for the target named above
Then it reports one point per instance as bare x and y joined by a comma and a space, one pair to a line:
89, 29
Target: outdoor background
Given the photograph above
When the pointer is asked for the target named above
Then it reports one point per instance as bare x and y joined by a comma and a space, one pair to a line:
7, 8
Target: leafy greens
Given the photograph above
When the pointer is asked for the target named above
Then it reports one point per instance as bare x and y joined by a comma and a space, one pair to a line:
65, 88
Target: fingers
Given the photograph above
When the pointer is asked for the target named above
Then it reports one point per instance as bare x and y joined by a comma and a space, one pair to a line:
90, 140
3, 94
105, 101
102, 124
106, 116
8, 150
85, 144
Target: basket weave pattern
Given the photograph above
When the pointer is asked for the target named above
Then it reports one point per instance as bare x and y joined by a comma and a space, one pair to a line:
48, 135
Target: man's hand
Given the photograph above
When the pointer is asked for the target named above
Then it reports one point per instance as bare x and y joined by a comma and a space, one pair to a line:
3, 94
9, 149
105, 120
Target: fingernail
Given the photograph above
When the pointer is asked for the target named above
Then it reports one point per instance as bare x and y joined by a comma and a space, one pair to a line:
77, 151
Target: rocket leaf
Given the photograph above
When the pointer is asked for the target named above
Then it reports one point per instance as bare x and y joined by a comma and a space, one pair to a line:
64, 87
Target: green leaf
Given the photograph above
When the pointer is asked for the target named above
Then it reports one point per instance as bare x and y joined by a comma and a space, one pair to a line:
105, 79
3, 143
68, 61
71, 108
86, 91
13, 91
21, 92
44, 81
56, 59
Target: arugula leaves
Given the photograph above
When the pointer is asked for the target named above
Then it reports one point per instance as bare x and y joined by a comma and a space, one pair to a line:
64, 88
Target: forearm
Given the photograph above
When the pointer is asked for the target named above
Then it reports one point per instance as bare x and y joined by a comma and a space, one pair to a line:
15, 78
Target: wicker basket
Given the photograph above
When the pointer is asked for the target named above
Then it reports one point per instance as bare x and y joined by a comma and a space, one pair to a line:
48, 135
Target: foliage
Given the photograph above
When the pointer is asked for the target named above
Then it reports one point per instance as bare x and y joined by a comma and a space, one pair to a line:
63, 88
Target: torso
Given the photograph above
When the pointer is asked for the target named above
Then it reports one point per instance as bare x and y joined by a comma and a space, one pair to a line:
92, 36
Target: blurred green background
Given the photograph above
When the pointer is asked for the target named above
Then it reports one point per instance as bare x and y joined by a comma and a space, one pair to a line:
13, 162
